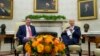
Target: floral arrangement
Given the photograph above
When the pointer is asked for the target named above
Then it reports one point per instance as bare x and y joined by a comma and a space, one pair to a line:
45, 45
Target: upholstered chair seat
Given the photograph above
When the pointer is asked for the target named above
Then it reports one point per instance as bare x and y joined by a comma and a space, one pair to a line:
97, 52
76, 48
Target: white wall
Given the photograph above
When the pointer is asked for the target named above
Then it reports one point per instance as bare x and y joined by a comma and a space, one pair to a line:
68, 8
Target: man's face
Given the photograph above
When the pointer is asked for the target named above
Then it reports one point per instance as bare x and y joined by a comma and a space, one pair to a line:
2, 5
71, 22
28, 21
47, 4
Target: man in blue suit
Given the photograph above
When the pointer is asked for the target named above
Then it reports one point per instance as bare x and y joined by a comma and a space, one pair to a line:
26, 32
71, 34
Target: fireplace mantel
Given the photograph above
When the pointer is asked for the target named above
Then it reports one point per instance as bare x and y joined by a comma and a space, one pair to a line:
48, 23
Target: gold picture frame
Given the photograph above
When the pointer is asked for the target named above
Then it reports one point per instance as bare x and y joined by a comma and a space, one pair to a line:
6, 9
87, 10
46, 6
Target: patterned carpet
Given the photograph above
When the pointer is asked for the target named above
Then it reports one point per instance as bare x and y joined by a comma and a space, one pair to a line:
22, 55
84, 53
70, 55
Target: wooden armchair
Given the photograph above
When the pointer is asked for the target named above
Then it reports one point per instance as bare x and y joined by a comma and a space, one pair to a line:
18, 48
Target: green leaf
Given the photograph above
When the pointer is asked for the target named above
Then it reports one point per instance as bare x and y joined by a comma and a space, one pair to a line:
47, 17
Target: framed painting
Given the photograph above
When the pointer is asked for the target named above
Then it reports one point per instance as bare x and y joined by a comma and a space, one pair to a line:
6, 9
46, 6
87, 9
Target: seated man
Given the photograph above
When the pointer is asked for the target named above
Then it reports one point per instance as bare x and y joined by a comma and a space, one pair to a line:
26, 32
71, 34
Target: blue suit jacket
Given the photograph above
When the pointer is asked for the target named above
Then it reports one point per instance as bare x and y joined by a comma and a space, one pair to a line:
75, 36
22, 32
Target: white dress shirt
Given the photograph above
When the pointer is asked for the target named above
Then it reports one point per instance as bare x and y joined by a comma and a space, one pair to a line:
69, 33
27, 31
72, 27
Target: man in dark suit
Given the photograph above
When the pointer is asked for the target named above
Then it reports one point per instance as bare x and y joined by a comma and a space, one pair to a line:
71, 34
3, 11
26, 32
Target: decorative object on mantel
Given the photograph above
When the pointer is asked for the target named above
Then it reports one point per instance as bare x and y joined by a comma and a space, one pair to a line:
3, 27
45, 45
47, 17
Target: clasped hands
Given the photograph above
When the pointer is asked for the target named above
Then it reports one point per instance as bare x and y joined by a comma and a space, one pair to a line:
29, 38
70, 29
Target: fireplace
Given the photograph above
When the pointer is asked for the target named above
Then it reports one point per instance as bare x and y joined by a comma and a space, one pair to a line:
49, 33
54, 28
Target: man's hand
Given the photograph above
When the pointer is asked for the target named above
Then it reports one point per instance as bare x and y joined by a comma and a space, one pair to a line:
65, 30
71, 30
32, 37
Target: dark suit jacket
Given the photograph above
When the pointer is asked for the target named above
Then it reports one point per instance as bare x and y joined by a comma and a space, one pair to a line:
4, 13
22, 32
75, 36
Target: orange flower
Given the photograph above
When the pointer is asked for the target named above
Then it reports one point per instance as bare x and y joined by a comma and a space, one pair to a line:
35, 43
47, 48
48, 40
56, 49
40, 48
61, 46
28, 48
40, 39
56, 41
48, 36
